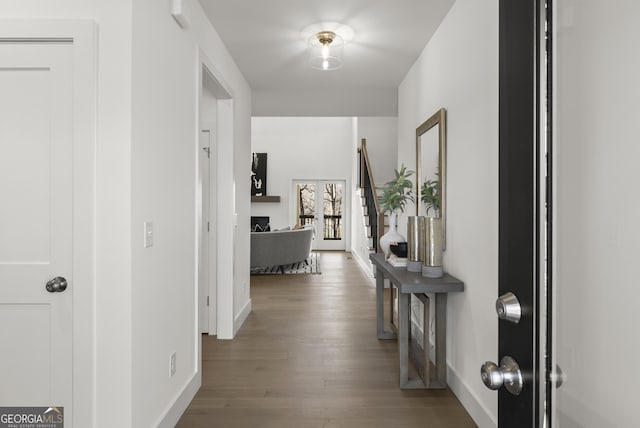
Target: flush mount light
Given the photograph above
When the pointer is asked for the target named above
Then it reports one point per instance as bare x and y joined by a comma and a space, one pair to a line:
326, 50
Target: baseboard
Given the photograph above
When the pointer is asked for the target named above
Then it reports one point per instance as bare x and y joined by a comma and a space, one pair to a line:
479, 413
365, 265
241, 317
180, 404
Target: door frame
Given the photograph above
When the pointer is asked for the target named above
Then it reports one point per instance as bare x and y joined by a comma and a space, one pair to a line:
222, 206
82, 32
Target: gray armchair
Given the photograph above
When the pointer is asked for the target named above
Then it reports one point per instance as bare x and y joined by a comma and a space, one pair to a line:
280, 247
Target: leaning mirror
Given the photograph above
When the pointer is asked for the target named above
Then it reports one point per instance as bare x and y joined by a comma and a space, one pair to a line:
431, 177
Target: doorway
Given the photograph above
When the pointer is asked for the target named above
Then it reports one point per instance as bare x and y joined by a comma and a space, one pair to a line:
322, 205
214, 222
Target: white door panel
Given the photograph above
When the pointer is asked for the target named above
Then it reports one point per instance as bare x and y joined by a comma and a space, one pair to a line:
36, 153
597, 210
205, 298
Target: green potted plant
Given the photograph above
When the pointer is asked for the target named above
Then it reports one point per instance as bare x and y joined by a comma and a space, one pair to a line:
397, 192
395, 195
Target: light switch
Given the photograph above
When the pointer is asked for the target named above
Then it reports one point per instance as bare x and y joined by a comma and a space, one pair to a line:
148, 234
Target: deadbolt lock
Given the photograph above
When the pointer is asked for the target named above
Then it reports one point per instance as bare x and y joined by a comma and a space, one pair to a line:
508, 308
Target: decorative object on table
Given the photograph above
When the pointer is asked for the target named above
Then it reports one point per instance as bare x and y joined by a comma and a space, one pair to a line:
398, 256
399, 249
433, 238
431, 246
258, 174
396, 261
414, 264
395, 195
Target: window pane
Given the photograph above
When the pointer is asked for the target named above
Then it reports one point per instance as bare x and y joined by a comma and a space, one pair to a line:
306, 203
332, 210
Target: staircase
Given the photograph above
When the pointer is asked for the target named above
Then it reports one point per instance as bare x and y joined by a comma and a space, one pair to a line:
374, 218
371, 228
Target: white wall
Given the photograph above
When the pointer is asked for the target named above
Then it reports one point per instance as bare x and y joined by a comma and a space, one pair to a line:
382, 144
147, 85
458, 70
381, 134
162, 192
298, 148
234, 206
165, 131
326, 101
597, 211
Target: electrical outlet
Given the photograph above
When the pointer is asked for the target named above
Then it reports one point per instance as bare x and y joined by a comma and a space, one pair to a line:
172, 364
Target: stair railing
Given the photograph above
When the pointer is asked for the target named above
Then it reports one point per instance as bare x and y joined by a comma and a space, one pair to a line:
367, 184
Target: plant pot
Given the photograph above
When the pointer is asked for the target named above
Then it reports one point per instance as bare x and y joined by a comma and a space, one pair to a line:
431, 246
392, 235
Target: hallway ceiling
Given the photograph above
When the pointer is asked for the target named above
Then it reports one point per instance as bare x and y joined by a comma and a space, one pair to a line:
264, 38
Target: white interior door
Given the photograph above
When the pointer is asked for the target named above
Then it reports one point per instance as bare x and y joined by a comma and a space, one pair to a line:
322, 203
597, 212
36, 148
204, 228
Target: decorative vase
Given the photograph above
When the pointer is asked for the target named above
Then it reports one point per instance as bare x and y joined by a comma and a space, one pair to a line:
414, 264
431, 246
392, 235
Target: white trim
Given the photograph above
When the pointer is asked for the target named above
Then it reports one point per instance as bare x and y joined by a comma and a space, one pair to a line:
478, 411
83, 34
365, 265
242, 316
173, 414
225, 210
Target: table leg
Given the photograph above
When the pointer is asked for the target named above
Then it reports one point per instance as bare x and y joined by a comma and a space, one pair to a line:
420, 361
392, 308
382, 334
441, 341
404, 312
426, 362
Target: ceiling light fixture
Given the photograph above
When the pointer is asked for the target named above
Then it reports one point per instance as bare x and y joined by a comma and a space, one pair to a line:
326, 50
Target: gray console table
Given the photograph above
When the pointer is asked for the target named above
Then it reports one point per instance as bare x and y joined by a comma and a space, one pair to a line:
408, 283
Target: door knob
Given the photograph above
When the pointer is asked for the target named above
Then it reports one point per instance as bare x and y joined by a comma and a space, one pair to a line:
508, 308
56, 285
507, 375
557, 377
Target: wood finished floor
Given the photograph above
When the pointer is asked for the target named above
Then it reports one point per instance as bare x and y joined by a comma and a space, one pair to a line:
308, 357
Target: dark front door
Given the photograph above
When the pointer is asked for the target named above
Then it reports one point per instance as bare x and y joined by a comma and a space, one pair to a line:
516, 372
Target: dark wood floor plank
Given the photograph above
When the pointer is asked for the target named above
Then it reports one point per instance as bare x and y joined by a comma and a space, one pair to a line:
308, 356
